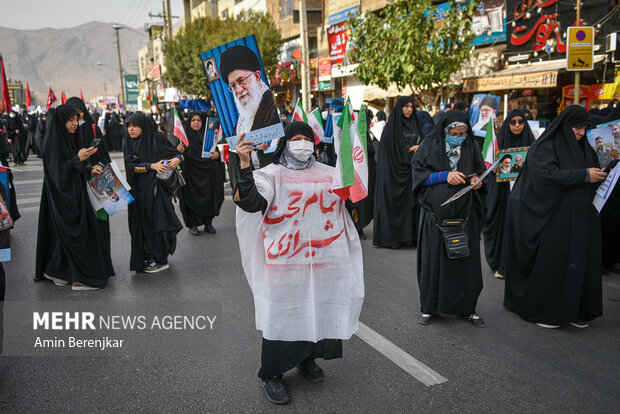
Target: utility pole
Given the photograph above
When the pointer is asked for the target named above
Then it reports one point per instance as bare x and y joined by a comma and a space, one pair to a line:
105, 91
164, 18
577, 73
305, 70
169, 14
118, 27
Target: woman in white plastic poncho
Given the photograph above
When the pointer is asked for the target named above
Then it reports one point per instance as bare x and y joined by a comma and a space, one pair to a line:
302, 257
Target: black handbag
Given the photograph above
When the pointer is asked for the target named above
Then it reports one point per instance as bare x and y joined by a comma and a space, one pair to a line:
454, 232
455, 236
171, 181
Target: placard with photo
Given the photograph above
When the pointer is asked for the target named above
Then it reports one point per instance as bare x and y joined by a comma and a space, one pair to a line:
510, 164
241, 92
602, 141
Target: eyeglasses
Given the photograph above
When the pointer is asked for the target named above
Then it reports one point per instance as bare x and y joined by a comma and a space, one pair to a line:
515, 122
240, 81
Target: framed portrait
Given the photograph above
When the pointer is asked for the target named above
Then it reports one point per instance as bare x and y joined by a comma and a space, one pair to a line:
242, 95
211, 70
511, 161
211, 138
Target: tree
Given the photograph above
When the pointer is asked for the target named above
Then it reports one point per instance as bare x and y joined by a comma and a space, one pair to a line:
182, 53
403, 44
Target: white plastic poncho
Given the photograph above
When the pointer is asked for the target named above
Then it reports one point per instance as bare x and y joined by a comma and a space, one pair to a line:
302, 258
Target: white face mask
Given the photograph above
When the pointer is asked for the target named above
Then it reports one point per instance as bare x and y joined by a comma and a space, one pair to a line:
301, 150
81, 122
12, 115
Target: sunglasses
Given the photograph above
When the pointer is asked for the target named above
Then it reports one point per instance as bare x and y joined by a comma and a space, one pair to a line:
515, 122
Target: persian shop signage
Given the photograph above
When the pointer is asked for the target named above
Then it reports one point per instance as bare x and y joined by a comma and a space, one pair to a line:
543, 33
548, 79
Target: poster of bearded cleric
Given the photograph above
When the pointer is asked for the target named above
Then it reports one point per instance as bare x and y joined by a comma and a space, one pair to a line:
241, 92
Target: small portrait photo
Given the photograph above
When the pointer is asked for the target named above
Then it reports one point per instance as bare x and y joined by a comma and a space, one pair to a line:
602, 140
211, 69
510, 164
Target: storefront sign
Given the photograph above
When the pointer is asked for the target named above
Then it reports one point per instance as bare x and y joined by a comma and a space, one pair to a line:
326, 85
488, 23
580, 54
314, 75
341, 10
548, 79
543, 32
338, 38
325, 68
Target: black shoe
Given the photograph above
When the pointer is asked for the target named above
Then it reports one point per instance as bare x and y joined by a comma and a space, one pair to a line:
425, 318
210, 229
475, 320
311, 371
362, 235
194, 231
275, 390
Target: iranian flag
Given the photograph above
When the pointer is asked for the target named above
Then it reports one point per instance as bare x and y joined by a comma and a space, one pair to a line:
351, 176
490, 145
179, 132
314, 119
299, 114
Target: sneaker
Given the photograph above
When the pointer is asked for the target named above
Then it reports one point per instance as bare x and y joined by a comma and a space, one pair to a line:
425, 318
155, 267
311, 371
194, 231
548, 326
499, 275
57, 281
80, 286
275, 390
210, 229
475, 320
579, 324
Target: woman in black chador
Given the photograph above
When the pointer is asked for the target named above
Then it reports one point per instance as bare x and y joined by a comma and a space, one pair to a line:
153, 224
70, 245
87, 131
394, 223
553, 246
515, 132
441, 167
202, 197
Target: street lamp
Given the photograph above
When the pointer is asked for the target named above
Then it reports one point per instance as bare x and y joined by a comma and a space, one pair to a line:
118, 27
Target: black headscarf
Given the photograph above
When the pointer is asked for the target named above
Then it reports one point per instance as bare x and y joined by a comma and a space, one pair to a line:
461, 106
195, 138
292, 129
394, 144
86, 135
381, 116
431, 157
528, 115
506, 139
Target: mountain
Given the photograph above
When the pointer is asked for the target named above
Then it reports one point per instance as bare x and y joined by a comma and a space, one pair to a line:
66, 59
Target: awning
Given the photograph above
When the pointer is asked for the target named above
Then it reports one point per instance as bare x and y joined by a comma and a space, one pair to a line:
534, 75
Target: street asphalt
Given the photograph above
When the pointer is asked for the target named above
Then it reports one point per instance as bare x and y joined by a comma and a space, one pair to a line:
510, 366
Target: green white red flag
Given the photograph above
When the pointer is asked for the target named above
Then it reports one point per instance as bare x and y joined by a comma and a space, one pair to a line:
299, 114
490, 144
351, 175
179, 132
314, 119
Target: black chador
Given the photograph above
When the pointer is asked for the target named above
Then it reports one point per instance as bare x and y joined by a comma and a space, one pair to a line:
497, 199
447, 286
553, 247
153, 223
393, 208
202, 197
70, 245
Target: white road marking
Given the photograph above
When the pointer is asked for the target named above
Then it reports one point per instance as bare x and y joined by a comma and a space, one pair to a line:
24, 182
412, 366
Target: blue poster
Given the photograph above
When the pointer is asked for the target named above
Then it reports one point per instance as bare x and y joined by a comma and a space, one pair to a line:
241, 92
211, 137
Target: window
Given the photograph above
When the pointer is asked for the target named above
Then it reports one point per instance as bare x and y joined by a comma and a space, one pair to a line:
286, 8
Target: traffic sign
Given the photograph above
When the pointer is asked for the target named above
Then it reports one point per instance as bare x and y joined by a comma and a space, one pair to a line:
580, 50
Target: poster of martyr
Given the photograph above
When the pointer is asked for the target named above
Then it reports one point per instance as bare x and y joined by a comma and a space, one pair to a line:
241, 92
